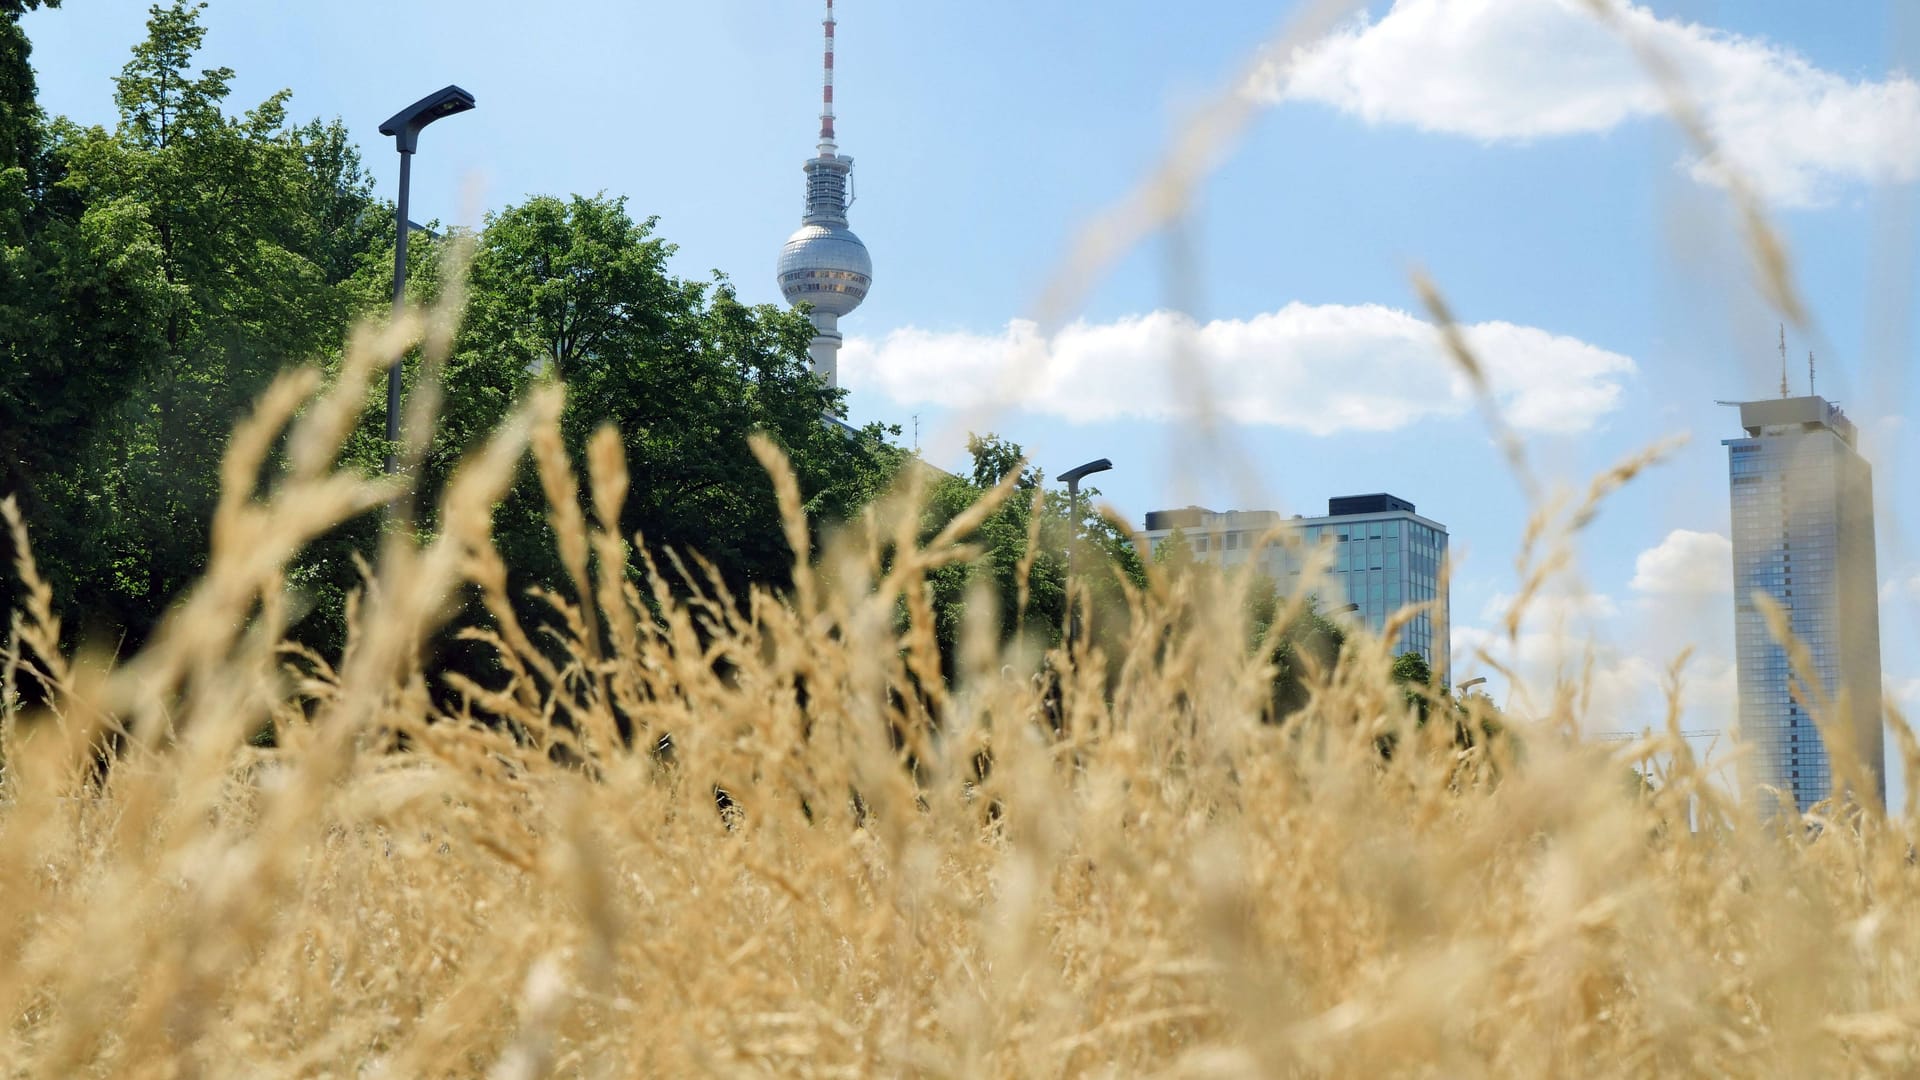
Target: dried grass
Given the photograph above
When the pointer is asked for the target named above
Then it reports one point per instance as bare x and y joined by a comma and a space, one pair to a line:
1164, 886
1161, 886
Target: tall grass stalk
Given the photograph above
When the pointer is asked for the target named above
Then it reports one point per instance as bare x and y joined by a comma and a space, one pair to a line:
908, 876
1061, 863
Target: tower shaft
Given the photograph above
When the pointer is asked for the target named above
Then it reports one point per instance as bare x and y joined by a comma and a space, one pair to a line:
824, 265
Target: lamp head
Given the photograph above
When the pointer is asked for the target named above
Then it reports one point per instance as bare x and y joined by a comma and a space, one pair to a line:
405, 125
1079, 473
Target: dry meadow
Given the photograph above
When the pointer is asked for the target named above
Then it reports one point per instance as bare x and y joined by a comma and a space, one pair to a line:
1064, 864
1056, 863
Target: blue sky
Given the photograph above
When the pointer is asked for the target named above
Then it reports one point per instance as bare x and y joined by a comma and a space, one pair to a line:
1512, 149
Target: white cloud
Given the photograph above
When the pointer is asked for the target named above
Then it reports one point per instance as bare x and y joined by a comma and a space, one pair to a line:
1321, 369
1619, 656
1624, 690
1556, 608
1907, 696
1685, 563
1901, 590
1520, 69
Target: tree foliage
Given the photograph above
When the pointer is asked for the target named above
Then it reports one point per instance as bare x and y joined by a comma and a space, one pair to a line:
1024, 542
576, 290
158, 274
1308, 642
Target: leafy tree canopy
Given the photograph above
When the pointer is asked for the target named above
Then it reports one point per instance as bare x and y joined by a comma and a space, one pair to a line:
576, 289
161, 272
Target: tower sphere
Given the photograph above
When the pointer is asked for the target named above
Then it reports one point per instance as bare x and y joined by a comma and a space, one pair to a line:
824, 265
827, 266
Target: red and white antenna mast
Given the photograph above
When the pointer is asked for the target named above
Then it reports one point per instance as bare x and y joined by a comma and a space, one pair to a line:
826, 91
824, 265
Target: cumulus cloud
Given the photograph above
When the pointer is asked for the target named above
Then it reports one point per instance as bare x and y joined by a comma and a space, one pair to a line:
1321, 369
1901, 590
1907, 696
1685, 563
1522, 69
1624, 689
1556, 607
1619, 657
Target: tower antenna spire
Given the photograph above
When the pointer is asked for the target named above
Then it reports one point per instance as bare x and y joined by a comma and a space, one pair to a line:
827, 147
1810, 389
824, 265
1782, 352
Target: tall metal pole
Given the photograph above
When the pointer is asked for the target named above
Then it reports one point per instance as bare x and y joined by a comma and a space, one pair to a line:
1073, 541
405, 127
399, 304
1072, 478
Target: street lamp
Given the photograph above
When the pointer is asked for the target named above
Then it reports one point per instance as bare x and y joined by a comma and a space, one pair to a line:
1470, 684
1073, 477
405, 127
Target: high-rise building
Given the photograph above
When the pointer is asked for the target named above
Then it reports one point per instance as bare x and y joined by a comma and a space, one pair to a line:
824, 264
1803, 535
1385, 556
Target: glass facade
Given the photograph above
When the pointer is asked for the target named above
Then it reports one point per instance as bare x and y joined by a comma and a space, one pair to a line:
1802, 515
1382, 560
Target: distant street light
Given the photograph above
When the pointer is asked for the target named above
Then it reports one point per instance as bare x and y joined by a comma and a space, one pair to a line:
405, 127
1073, 477
1470, 684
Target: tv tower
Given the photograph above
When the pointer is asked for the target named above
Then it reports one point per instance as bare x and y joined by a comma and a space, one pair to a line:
824, 264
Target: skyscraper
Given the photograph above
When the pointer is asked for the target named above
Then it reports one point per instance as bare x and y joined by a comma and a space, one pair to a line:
824, 264
1803, 535
1385, 556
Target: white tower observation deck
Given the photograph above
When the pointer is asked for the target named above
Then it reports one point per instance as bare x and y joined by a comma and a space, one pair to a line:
824, 264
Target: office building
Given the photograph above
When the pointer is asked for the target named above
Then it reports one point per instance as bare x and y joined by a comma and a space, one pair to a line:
1384, 556
1803, 534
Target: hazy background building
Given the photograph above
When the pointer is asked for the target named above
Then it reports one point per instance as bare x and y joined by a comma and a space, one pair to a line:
1383, 554
1803, 535
823, 263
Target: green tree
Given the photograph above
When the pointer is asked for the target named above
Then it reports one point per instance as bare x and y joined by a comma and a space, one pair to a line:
79, 289
1415, 676
22, 126
1175, 552
1308, 641
575, 289
169, 267
160, 273
1474, 716
1107, 556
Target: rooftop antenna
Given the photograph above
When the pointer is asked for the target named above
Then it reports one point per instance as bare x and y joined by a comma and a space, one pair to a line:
1783, 336
826, 91
1810, 389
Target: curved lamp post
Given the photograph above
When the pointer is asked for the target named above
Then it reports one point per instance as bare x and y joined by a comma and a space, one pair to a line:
1073, 477
405, 127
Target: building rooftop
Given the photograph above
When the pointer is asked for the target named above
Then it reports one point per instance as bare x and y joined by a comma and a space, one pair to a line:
1194, 517
1377, 503
1779, 415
